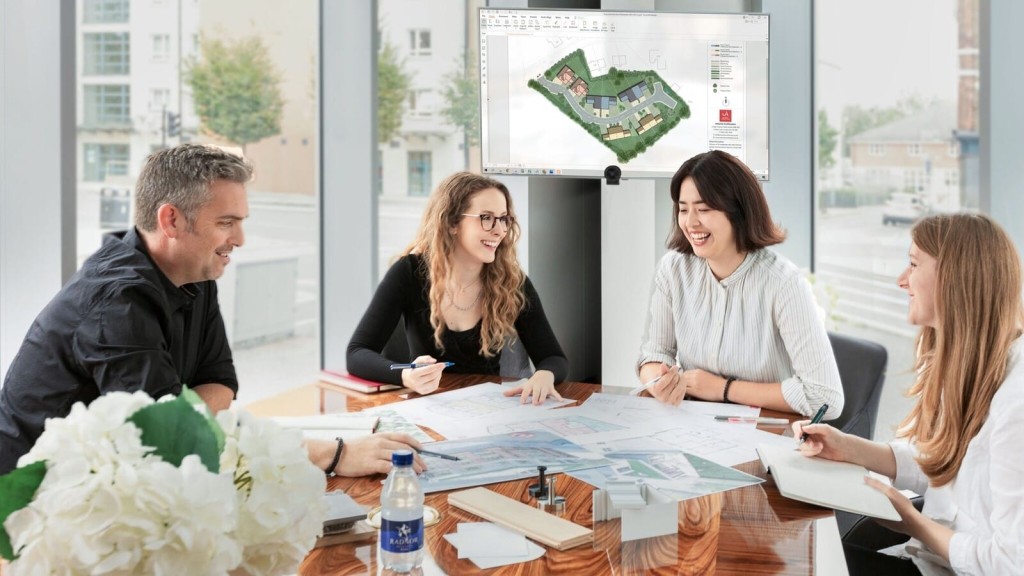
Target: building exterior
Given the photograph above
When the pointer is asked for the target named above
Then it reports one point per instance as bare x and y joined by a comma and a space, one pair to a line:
128, 77
918, 154
430, 38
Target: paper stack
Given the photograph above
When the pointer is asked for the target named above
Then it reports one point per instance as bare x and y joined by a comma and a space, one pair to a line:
489, 545
349, 425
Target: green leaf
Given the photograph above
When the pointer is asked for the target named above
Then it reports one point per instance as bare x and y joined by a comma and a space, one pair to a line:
175, 429
17, 488
195, 400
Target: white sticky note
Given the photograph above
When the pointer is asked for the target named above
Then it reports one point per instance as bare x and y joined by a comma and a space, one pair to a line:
534, 552
487, 539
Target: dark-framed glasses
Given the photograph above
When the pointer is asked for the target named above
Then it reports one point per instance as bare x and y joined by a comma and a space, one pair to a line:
487, 221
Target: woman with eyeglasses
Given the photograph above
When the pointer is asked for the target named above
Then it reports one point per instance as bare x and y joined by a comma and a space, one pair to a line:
730, 320
463, 297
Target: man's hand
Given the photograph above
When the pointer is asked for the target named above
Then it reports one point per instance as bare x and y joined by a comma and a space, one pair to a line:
372, 454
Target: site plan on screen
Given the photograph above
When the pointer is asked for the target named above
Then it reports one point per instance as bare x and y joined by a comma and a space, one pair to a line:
570, 92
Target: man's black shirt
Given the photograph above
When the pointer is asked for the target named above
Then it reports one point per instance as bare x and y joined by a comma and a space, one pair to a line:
118, 324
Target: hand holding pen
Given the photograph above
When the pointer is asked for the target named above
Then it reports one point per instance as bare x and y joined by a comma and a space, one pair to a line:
815, 438
666, 387
423, 374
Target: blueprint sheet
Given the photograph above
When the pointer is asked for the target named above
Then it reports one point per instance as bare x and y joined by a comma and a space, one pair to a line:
470, 406
490, 459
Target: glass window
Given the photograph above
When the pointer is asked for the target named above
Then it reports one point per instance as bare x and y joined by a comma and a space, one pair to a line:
107, 105
103, 160
96, 11
419, 173
419, 42
270, 294
894, 116
159, 99
161, 46
106, 53
423, 136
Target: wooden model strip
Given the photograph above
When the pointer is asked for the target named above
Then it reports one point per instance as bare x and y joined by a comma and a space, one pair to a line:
535, 524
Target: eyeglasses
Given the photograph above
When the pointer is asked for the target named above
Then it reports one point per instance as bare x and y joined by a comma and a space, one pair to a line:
487, 221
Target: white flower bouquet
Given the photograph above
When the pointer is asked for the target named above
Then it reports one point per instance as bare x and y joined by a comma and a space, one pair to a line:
132, 486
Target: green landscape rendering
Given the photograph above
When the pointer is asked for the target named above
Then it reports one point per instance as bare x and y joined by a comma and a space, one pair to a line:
626, 110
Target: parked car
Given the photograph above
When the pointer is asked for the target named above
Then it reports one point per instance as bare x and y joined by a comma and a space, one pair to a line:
903, 208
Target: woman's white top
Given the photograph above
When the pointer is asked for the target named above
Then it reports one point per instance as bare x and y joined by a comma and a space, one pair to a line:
984, 505
760, 324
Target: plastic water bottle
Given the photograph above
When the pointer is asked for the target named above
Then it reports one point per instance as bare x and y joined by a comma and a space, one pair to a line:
401, 527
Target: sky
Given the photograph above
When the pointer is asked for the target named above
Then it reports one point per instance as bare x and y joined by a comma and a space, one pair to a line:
876, 52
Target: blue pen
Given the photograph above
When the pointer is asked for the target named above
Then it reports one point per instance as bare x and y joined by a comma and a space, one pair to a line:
414, 365
817, 418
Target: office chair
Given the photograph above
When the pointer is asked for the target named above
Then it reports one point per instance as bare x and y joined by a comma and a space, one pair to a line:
862, 371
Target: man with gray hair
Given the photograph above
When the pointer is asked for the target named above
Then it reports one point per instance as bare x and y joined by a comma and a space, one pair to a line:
142, 312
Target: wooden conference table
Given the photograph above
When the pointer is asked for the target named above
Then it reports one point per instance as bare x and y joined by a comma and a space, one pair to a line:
752, 530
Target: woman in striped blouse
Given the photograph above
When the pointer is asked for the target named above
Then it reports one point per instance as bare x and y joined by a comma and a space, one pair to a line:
730, 320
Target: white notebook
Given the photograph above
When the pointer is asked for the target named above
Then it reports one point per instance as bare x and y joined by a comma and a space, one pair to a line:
838, 485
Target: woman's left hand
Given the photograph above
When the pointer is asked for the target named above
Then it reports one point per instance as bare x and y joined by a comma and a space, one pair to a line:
540, 386
703, 385
910, 516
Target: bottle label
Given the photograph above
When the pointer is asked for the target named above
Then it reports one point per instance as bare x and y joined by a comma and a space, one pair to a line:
401, 536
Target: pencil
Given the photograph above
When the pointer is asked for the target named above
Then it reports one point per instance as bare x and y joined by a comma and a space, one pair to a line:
438, 454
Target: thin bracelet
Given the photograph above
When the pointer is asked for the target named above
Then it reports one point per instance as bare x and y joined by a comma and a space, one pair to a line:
725, 391
337, 457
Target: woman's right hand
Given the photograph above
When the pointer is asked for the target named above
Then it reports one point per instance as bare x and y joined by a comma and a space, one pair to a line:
424, 379
669, 388
824, 441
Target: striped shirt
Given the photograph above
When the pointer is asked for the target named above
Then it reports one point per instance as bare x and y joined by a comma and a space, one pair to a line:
760, 324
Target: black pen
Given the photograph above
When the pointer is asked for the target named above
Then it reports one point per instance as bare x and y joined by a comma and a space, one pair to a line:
438, 454
817, 418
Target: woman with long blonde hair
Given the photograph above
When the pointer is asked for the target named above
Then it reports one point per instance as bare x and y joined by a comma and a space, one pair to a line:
463, 297
960, 444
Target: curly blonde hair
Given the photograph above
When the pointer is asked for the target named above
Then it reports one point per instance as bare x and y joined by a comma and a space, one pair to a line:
502, 298
962, 361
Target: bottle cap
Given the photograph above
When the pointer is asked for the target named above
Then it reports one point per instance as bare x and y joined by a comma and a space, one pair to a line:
401, 458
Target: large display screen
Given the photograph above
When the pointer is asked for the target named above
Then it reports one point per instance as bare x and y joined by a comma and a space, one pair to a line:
571, 92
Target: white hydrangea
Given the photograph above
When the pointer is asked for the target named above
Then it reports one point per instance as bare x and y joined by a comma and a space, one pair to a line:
281, 508
105, 506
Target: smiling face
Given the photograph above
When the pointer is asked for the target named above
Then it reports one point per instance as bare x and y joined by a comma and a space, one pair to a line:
473, 244
919, 282
709, 232
205, 250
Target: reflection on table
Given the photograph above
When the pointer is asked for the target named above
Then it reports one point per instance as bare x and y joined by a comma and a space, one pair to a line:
752, 530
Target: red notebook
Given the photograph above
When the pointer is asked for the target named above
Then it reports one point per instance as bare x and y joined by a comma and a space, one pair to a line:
354, 382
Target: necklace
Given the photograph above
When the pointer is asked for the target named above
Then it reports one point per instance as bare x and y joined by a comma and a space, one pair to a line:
471, 304
462, 290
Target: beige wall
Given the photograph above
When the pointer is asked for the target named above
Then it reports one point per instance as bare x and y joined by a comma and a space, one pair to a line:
286, 163
897, 156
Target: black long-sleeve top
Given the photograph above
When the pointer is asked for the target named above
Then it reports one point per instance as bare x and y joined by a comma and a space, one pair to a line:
404, 293
118, 324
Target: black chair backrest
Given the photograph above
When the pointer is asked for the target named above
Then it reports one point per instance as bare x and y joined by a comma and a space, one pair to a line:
862, 370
